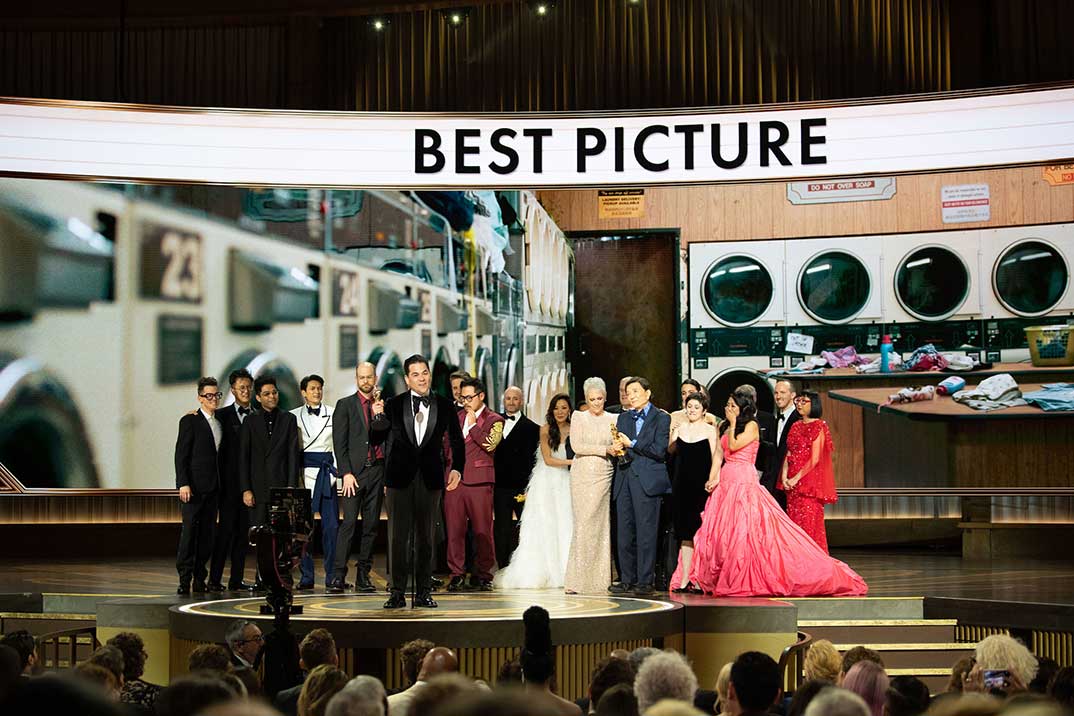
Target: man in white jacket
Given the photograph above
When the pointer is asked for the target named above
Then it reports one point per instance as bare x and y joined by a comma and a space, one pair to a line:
315, 429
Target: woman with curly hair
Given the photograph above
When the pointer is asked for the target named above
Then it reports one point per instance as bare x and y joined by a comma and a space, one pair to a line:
321, 685
138, 693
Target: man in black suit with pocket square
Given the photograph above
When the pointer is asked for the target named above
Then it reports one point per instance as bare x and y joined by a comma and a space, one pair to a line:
412, 428
514, 459
786, 416
197, 477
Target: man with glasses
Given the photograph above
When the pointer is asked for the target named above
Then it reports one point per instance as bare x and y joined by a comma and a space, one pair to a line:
197, 476
482, 431
244, 639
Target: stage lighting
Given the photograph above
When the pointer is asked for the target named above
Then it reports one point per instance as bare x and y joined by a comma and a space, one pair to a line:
542, 7
456, 17
379, 24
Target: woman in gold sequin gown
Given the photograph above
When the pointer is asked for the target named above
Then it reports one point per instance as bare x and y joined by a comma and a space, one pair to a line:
589, 565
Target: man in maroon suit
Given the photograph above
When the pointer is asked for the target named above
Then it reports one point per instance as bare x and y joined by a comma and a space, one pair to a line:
482, 431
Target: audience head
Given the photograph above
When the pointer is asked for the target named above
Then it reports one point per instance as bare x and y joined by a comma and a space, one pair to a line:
411, 655
608, 672
538, 656
209, 657
755, 683
804, 695
244, 639
822, 662
1046, 669
240, 708
100, 677
618, 701
968, 704
906, 696
190, 695
438, 691
666, 675
510, 673
318, 647
723, 680
834, 701
1061, 687
25, 646
639, 655
111, 658
503, 702
672, 707
10, 669
248, 678
855, 655
438, 660
324, 682
133, 649
362, 696
869, 681
959, 671
1001, 652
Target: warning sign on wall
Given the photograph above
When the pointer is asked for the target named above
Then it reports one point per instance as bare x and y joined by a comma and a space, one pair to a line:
964, 203
1058, 174
620, 203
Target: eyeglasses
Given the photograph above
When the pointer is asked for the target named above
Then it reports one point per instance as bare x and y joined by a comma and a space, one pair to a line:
801, 401
211, 396
467, 397
258, 638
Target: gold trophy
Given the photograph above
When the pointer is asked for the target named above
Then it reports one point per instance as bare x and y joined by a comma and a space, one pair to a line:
621, 458
376, 394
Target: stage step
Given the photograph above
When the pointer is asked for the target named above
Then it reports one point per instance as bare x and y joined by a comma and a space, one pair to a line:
858, 608
881, 631
917, 656
935, 679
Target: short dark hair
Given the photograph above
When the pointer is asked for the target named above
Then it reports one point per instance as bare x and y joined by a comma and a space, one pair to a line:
1061, 687
788, 381
111, 658
191, 694
411, 655
474, 383
640, 381
816, 408
92, 673
209, 657
262, 381
22, 642
699, 397
607, 673
416, 358
618, 700
206, 381
133, 649
306, 381
236, 375
906, 696
1046, 669
691, 382
509, 674
804, 694
860, 653
459, 375
756, 679
318, 647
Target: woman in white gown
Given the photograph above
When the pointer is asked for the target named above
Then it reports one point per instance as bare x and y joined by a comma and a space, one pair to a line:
545, 528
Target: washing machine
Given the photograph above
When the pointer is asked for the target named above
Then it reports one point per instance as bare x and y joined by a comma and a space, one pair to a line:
932, 290
1028, 273
834, 292
737, 309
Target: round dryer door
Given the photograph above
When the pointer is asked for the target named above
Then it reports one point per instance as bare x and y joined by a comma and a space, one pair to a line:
932, 283
43, 441
834, 287
486, 372
442, 370
390, 375
269, 364
726, 381
737, 290
511, 369
1030, 278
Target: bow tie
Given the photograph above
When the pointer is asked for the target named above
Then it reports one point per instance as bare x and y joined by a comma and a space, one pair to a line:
509, 417
637, 414
420, 400
781, 417
245, 411
314, 411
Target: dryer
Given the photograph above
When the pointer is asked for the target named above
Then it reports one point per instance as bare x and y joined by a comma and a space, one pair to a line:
736, 313
1028, 270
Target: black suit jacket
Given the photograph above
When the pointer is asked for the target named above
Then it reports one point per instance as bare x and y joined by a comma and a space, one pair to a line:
197, 462
779, 453
404, 460
766, 426
230, 488
350, 437
265, 462
515, 455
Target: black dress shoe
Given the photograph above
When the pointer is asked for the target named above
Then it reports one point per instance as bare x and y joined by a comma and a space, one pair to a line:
484, 585
304, 586
214, 587
364, 584
395, 601
456, 584
199, 586
620, 588
424, 601
644, 590
239, 586
436, 583
183, 590
334, 587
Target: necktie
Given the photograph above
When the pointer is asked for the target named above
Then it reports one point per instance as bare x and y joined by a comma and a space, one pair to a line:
245, 411
314, 411
419, 400
369, 453
509, 417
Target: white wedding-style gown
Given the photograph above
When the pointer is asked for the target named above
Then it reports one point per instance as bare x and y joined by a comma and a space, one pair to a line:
545, 529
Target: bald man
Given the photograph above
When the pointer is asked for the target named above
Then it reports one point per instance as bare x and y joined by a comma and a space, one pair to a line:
439, 660
513, 460
361, 469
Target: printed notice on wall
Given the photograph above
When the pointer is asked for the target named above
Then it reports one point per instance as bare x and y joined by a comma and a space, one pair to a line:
1058, 174
620, 203
962, 203
840, 190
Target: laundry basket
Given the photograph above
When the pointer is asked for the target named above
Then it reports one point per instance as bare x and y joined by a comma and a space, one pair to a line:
1050, 345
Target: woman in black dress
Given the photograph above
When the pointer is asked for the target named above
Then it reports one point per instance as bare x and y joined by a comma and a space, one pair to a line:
695, 448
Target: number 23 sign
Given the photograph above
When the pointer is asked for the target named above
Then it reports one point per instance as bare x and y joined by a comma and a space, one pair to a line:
171, 264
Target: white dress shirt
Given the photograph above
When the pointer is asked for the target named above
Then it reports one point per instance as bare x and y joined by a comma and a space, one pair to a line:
214, 425
782, 424
420, 424
509, 425
466, 427
316, 432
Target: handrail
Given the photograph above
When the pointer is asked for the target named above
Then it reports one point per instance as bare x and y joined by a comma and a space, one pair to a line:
53, 639
789, 659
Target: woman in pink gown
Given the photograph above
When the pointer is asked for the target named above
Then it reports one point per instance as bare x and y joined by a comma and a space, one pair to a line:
747, 546
807, 474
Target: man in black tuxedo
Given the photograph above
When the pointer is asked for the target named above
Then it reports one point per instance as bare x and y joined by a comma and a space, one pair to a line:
270, 452
361, 466
514, 459
766, 427
231, 533
412, 427
197, 476
786, 416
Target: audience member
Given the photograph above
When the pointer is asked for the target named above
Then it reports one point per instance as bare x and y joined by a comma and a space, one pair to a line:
439, 691
858, 653
190, 695
959, 672
1000, 652
136, 692
822, 662
438, 660
868, 680
666, 675
209, 657
804, 695
250, 680
53, 695
538, 662
510, 674
618, 701
967, 704
1046, 669
723, 680
240, 708
110, 658
672, 707
906, 696
100, 677
362, 696
233, 682
607, 673
411, 655
834, 701
511, 701
324, 682
1061, 687
639, 655
316, 648
10, 671
756, 684
245, 641
25, 645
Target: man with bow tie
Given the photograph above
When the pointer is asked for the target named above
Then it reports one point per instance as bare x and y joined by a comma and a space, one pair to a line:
640, 483
412, 427
514, 460
315, 431
786, 416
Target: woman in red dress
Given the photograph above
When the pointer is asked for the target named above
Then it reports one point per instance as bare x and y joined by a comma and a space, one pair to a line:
807, 472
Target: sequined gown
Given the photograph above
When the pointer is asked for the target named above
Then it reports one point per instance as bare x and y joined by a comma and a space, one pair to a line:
806, 500
589, 566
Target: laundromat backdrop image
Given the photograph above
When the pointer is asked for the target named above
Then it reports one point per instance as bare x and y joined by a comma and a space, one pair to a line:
116, 298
